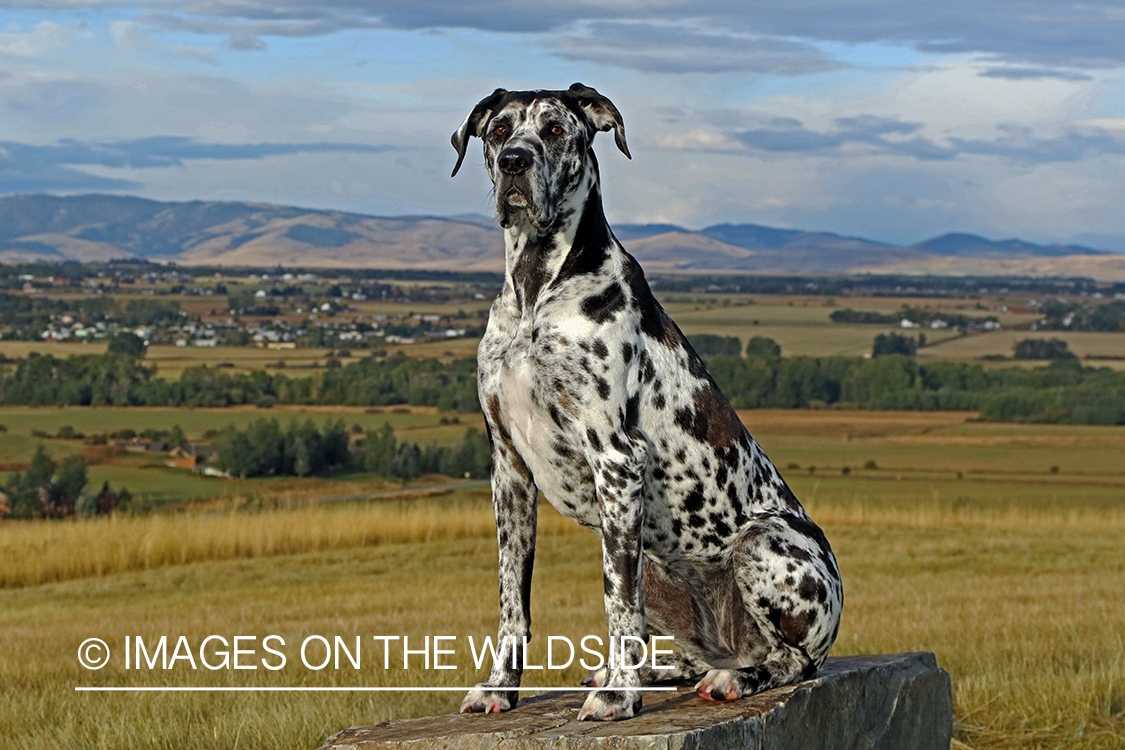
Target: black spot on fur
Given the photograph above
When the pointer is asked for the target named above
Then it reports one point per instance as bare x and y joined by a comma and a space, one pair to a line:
603, 306
809, 529
652, 317
632, 413
807, 588
696, 367
694, 423
530, 272
595, 441
627, 352
693, 501
720, 475
601, 351
648, 372
798, 554
720, 525
788, 497
603, 387
658, 401
589, 251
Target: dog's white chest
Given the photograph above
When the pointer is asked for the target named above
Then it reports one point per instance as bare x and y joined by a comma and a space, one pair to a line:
517, 384
526, 398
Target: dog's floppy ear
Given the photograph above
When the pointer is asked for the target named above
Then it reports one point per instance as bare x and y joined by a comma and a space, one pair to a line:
473, 125
602, 113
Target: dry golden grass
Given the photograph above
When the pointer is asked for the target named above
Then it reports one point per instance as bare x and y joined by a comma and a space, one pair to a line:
42, 551
1014, 576
1026, 611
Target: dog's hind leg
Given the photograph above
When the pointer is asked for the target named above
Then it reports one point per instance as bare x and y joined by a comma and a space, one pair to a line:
789, 586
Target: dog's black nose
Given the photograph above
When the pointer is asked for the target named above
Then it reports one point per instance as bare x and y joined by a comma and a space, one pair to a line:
514, 161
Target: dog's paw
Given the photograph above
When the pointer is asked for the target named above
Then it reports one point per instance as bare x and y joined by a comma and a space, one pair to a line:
610, 705
596, 678
485, 699
721, 685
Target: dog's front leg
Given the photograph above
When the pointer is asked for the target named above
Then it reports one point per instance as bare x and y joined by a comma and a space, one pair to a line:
514, 500
618, 479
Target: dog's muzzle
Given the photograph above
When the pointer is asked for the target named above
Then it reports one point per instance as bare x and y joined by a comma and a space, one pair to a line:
517, 186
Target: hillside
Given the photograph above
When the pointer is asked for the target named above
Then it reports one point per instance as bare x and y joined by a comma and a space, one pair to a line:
90, 228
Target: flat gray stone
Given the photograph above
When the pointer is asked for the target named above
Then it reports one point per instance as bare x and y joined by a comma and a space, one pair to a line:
888, 702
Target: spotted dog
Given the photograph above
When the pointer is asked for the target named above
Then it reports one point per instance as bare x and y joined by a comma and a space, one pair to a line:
593, 395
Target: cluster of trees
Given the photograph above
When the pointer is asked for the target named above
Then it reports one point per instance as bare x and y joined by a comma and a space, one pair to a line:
50, 490
708, 345
1083, 316
382, 454
896, 343
921, 316
1043, 349
123, 380
1064, 391
264, 448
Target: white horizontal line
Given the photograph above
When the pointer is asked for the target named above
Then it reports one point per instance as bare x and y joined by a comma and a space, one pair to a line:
182, 689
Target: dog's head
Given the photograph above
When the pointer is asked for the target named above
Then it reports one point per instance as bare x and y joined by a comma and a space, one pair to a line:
537, 146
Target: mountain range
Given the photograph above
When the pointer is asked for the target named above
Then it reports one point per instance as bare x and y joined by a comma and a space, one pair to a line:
88, 228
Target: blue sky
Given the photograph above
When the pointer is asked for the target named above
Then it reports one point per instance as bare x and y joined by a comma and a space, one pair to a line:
875, 118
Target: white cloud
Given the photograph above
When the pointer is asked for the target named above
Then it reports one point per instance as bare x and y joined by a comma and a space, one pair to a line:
43, 39
699, 139
128, 35
202, 54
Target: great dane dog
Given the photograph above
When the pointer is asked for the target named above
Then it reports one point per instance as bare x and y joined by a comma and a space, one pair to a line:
593, 395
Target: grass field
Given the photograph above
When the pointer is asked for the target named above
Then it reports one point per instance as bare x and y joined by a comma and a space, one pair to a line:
418, 421
145, 475
1012, 575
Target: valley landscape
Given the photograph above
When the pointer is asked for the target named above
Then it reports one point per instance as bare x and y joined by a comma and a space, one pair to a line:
102, 228
973, 493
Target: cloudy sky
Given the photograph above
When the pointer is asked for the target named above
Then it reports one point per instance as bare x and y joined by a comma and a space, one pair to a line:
888, 120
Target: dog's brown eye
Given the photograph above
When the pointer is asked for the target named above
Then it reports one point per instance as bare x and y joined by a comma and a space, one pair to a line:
499, 130
557, 130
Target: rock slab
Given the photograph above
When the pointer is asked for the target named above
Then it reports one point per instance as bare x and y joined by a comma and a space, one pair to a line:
887, 702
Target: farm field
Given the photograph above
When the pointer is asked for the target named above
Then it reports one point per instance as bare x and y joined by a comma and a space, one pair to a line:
799, 323
421, 422
1082, 343
145, 475
1011, 574
956, 457
961, 458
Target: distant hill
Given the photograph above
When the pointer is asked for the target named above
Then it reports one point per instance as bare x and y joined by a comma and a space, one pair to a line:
89, 228
972, 246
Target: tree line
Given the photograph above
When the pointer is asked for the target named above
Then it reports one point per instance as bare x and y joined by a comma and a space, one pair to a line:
264, 448
1064, 391
118, 379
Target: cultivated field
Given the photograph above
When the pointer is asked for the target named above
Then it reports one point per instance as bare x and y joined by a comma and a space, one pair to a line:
962, 540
